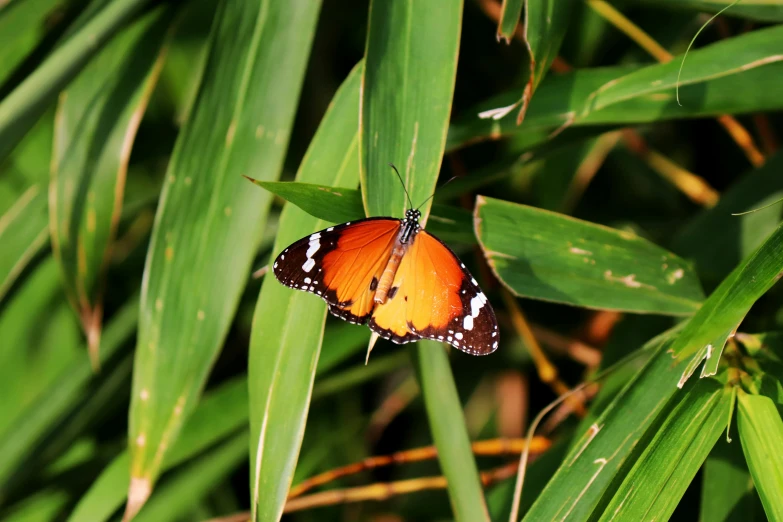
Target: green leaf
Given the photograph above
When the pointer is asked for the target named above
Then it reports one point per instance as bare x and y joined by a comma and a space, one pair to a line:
21, 109
220, 413
716, 240
544, 28
727, 492
288, 325
761, 10
60, 398
174, 498
22, 26
562, 259
630, 95
654, 486
444, 411
340, 205
404, 116
23, 233
761, 433
406, 104
95, 126
613, 441
510, 13
207, 222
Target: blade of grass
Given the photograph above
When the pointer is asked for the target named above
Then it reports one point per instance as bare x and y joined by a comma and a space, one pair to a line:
95, 126
510, 13
761, 433
288, 325
204, 236
24, 105
404, 118
760, 10
671, 460
562, 259
727, 492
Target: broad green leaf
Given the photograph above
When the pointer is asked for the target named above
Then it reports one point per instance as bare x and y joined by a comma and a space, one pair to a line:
510, 13
761, 10
404, 116
220, 413
174, 498
42, 505
288, 325
340, 205
446, 417
544, 255
727, 491
611, 445
24, 105
95, 126
22, 26
630, 94
59, 399
406, 103
716, 240
544, 28
652, 489
23, 232
761, 433
204, 236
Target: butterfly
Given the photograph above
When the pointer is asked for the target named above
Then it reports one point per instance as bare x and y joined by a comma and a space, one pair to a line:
392, 275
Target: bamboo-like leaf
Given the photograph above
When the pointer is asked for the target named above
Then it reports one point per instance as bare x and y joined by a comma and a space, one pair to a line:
544, 28
405, 103
21, 109
562, 259
339, 205
288, 325
22, 26
761, 433
23, 232
206, 225
652, 489
727, 492
222, 411
630, 94
404, 119
95, 127
174, 498
761, 10
611, 444
510, 12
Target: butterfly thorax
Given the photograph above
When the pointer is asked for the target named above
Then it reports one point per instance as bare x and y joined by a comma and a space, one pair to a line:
408, 230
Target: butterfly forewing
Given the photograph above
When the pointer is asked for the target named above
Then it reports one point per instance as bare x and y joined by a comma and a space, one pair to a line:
339, 264
433, 296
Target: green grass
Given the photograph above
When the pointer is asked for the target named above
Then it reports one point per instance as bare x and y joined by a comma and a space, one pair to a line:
145, 371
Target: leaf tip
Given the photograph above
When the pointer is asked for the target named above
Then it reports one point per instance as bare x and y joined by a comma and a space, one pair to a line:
138, 492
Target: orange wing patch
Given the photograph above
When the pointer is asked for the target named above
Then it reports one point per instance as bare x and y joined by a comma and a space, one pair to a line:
340, 263
433, 296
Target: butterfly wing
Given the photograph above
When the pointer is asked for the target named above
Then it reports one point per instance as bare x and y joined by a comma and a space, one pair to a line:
339, 264
433, 296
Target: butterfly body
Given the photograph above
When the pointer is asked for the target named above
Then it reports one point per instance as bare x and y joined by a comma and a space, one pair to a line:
390, 274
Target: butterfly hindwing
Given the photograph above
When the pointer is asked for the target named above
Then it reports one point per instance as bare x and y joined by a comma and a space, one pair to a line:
340, 263
433, 296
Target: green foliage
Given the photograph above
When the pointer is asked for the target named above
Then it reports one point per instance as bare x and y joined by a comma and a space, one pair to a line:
128, 230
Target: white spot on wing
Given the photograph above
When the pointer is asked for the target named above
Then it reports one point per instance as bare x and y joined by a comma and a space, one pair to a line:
468, 323
307, 280
458, 335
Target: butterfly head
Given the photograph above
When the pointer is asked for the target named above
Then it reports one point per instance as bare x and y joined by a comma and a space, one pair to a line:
413, 214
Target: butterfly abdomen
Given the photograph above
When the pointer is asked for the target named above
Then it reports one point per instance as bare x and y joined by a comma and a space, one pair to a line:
384, 285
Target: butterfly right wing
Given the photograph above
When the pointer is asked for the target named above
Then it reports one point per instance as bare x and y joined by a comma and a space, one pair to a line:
340, 263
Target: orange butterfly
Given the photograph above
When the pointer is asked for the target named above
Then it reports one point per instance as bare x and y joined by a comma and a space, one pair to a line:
403, 282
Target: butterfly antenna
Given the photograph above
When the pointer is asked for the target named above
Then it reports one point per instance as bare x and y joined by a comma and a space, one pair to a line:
403, 184
436, 190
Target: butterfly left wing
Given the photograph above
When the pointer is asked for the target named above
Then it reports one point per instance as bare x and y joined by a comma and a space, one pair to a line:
433, 296
340, 263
